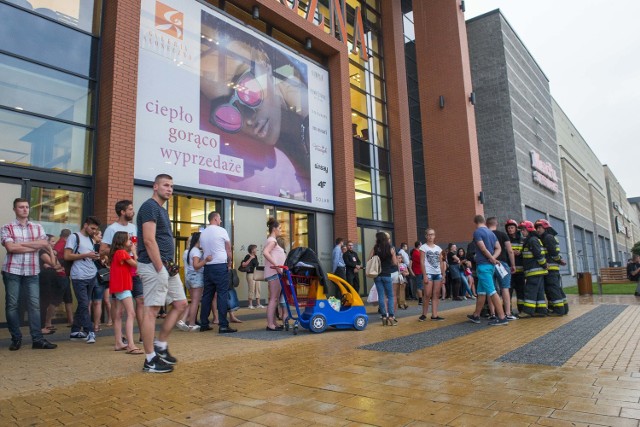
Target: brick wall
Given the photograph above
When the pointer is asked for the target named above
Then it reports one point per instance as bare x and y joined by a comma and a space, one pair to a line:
117, 106
449, 134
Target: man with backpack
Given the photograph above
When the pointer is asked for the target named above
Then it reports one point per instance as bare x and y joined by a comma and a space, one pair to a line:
80, 250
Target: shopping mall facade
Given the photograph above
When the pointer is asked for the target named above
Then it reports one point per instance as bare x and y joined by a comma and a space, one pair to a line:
340, 118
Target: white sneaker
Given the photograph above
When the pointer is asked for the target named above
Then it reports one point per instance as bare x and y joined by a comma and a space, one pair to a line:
260, 306
194, 328
182, 326
91, 338
251, 307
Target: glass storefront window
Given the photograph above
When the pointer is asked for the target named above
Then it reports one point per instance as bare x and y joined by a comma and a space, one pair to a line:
83, 14
359, 102
56, 209
356, 76
364, 208
30, 36
300, 230
32, 141
30, 87
285, 228
385, 209
362, 180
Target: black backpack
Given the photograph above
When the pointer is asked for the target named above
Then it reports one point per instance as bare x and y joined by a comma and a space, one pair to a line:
68, 264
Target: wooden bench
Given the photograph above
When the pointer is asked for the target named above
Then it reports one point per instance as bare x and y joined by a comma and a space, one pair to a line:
614, 275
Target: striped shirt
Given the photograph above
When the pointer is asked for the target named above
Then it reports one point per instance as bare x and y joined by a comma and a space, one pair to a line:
26, 264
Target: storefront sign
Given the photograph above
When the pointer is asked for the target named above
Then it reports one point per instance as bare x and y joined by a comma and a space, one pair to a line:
222, 107
337, 18
544, 173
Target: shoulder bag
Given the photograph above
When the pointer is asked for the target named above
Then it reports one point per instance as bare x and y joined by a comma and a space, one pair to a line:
373, 267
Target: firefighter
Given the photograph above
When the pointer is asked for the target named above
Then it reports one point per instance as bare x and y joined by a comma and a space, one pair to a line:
517, 278
534, 263
552, 282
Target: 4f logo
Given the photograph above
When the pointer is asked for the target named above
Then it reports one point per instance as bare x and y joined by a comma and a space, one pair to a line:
169, 20
322, 184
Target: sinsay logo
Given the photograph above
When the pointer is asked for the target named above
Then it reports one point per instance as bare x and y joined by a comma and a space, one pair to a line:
322, 168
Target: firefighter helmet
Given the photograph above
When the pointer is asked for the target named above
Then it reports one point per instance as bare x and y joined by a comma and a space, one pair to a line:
527, 225
542, 223
511, 222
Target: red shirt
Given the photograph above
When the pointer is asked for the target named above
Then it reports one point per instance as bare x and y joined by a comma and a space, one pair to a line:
58, 248
120, 277
415, 262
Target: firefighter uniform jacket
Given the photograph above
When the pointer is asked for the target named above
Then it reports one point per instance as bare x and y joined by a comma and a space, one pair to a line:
552, 247
533, 256
516, 245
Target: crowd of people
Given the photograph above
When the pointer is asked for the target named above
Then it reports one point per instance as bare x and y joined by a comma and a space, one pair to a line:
524, 259
131, 270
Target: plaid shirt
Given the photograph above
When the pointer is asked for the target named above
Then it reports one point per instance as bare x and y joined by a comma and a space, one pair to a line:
27, 264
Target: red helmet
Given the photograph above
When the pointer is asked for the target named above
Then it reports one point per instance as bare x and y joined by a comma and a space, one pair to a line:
511, 222
527, 225
543, 223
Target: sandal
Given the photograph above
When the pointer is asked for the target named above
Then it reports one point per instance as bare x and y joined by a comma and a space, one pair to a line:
135, 350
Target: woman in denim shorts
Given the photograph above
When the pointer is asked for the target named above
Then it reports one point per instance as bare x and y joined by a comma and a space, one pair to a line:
194, 280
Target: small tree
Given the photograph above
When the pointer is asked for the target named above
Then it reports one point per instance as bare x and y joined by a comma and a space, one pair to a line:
636, 249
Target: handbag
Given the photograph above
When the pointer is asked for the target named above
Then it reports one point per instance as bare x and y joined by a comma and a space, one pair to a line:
373, 267
104, 275
373, 295
258, 274
234, 281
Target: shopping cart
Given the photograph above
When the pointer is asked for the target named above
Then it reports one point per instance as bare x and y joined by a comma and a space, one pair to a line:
304, 293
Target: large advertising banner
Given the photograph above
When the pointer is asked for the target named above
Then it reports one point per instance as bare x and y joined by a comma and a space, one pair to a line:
221, 107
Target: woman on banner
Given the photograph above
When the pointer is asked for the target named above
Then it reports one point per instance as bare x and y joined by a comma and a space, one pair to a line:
256, 98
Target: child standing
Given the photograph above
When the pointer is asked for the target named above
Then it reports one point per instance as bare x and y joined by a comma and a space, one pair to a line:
123, 264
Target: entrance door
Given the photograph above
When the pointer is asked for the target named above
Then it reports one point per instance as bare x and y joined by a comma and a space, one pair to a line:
55, 207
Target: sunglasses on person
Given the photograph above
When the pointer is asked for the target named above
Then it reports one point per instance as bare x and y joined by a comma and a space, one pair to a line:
247, 92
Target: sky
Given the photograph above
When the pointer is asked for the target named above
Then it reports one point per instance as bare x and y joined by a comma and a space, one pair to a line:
590, 52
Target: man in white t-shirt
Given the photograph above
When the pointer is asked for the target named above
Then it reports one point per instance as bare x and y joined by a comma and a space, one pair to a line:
125, 212
215, 242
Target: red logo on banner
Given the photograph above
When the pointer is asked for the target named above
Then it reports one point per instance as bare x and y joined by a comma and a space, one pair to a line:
169, 20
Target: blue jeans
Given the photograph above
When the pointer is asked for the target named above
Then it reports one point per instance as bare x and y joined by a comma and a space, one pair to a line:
384, 286
504, 282
216, 280
465, 284
14, 285
83, 288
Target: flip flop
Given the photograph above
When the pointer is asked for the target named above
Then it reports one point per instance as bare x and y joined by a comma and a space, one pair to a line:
120, 349
135, 351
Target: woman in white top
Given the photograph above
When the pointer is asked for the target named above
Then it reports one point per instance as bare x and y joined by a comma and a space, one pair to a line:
432, 264
194, 280
273, 255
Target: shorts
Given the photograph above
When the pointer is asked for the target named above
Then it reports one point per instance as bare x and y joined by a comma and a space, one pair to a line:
195, 279
138, 290
123, 295
485, 284
504, 282
419, 282
270, 278
98, 292
434, 277
159, 288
